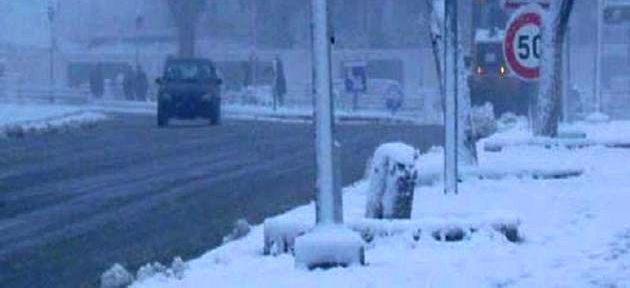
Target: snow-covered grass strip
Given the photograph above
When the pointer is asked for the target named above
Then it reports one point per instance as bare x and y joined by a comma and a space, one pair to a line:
17, 121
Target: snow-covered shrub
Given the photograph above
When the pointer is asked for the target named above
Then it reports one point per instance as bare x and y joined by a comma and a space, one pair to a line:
484, 122
176, 270
508, 121
117, 276
240, 230
280, 234
392, 177
178, 267
149, 270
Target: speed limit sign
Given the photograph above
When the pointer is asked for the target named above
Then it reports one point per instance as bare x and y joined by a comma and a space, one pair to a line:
522, 44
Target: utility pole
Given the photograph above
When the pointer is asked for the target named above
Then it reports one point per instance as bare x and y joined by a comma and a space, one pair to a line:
450, 97
328, 198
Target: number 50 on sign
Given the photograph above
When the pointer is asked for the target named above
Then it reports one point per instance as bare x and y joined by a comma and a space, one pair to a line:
523, 43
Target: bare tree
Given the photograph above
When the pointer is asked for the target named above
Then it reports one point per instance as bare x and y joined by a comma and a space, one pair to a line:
186, 14
549, 101
466, 142
435, 22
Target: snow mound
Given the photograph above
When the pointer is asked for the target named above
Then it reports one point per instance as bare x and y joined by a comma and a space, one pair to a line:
240, 230
483, 121
329, 246
116, 277
398, 152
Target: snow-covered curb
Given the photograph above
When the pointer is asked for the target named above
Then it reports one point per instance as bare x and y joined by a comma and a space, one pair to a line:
263, 113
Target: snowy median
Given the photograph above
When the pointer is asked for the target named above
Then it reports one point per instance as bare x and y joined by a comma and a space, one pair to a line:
17, 121
573, 232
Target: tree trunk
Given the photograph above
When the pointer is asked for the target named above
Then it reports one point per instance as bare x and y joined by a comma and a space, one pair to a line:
466, 143
549, 100
186, 14
435, 26
186, 39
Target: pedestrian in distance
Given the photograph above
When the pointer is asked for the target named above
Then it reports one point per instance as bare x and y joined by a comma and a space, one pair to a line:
97, 85
128, 84
280, 82
141, 84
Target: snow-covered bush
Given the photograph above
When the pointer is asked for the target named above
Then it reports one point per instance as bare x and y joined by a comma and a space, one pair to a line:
240, 230
149, 270
117, 276
156, 269
508, 121
392, 177
178, 268
484, 122
280, 234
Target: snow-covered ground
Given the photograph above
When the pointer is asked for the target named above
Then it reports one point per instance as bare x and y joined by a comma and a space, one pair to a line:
18, 119
576, 232
602, 133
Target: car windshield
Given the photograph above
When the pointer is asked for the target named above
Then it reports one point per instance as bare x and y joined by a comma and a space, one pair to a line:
183, 71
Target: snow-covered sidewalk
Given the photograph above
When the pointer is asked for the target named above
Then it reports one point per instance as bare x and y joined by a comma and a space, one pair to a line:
19, 119
576, 234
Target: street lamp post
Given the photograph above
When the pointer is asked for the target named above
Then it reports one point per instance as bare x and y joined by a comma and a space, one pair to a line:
450, 97
328, 195
329, 243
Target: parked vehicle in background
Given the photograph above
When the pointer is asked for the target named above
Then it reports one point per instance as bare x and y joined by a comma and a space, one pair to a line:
189, 89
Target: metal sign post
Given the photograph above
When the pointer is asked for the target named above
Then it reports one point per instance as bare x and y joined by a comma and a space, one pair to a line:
450, 98
328, 198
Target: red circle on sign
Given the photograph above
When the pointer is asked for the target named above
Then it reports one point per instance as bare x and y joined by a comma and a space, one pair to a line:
521, 20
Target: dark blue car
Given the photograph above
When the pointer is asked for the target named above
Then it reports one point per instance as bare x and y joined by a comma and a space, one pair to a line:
189, 89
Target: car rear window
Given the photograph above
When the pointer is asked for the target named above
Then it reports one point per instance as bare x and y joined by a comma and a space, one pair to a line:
189, 70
